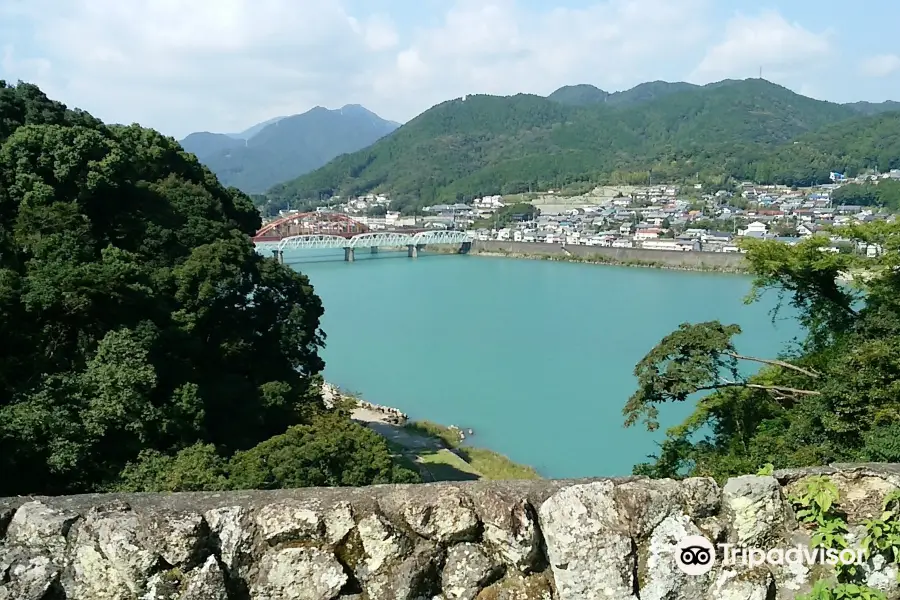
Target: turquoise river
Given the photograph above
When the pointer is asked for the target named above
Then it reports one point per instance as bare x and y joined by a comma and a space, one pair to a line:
536, 357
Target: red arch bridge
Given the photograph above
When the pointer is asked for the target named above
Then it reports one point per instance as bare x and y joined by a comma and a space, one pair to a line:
319, 231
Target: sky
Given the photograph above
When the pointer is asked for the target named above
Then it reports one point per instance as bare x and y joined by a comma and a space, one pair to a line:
223, 65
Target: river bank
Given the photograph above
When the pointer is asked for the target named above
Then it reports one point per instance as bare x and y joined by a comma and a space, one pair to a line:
437, 452
711, 262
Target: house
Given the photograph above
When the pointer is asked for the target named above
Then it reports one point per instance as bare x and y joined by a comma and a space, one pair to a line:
756, 227
622, 243
807, 229
625, 229
716, 236
518, 236
650, 233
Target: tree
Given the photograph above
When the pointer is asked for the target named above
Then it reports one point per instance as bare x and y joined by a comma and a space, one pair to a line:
137, 319
835, 396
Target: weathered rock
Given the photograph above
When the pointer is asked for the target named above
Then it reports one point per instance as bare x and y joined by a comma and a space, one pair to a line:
289, 521
206, 582
382, 544
180, 537
230, 533
298, 574
590, 557
449, 518
701, 496
36, 525
26, 578
415, 577
756, 510
663, 578
94, 577
517, 587
6, 515
748, 585
109, 546
510, 528
467, 570
338, 522
642, 505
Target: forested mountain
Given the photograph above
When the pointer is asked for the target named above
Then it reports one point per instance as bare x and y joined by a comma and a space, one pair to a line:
287, 147
488, 144
874, 108
586, 94
579, 95
204, 144
147, 346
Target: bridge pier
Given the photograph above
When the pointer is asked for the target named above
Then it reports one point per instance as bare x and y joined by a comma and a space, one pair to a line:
278, 255
348, 254
412, 251
465, 248
373, 250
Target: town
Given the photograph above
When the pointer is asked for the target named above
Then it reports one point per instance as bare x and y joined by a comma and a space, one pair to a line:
658, 217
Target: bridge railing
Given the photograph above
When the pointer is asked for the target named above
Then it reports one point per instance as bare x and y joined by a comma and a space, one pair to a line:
381, 239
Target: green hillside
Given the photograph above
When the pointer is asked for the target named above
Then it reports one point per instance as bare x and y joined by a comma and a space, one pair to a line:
489, 144
579, 95
874, 108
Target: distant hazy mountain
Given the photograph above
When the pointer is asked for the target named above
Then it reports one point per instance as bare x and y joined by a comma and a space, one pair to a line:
286, 147
251, 131
204, 143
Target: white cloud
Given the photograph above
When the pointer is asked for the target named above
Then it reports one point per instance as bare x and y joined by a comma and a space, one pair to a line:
215, 64
766, 41
496, 47
881, 65
223, 65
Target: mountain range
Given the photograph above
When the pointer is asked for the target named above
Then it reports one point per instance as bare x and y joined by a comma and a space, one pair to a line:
283, 148
581, 135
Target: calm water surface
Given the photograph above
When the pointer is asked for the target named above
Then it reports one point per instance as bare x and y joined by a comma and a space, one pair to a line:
536, 357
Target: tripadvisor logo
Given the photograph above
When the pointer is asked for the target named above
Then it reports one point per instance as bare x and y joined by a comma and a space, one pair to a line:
696, 555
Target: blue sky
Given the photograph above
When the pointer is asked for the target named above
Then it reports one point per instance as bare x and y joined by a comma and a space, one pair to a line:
223, 65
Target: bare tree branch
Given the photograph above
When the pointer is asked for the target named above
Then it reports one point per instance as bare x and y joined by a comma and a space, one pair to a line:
759, 386
777, 363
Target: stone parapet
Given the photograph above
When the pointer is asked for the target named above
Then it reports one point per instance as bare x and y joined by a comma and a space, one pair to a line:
515, 540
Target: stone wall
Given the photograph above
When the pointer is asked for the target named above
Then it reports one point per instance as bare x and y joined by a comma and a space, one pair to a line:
725, 261
528, 540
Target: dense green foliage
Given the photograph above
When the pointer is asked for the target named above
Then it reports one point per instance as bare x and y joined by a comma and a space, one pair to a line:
288, 148
481, 145
834, 396
138, 321
330, 451
884, 194
509, 214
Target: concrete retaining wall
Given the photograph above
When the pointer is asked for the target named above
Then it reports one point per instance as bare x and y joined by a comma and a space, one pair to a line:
529, 540
724, 261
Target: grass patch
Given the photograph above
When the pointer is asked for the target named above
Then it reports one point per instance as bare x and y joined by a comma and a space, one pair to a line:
493, 465
480, 461
429, 429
